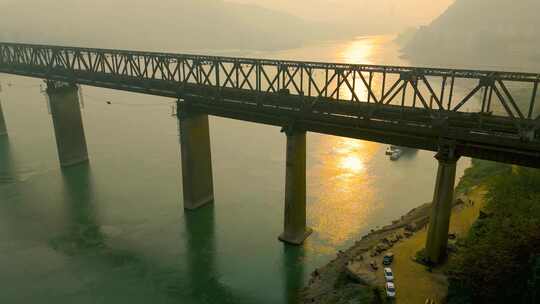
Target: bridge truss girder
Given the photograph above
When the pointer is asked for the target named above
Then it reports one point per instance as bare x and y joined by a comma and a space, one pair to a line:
486, 113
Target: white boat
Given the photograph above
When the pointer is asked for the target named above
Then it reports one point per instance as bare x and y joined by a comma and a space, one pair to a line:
396, 154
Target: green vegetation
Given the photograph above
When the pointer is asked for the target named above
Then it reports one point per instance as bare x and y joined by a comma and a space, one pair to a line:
498, 262
479, 171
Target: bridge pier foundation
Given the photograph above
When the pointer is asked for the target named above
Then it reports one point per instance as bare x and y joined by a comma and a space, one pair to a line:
67, 121
197, 178
441, 209
3, 129
295, 229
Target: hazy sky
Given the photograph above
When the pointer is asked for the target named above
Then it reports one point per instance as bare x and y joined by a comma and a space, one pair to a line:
207, 24
401, 12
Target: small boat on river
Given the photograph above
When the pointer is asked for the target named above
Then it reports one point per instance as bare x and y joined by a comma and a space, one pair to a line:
396, 154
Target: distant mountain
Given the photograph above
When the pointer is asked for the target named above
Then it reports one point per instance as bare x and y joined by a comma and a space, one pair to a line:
494, 34
154, 25
361, 17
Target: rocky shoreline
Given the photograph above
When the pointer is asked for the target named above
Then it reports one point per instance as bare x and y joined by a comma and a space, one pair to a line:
351, 273
350, 270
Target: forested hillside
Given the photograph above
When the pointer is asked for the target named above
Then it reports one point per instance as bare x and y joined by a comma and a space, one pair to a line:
361, 17
499, 261
485, 33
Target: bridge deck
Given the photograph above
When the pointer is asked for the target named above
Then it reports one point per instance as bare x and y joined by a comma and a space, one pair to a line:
485, 114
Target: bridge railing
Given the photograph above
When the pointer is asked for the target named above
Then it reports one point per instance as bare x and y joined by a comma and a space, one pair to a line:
487, 93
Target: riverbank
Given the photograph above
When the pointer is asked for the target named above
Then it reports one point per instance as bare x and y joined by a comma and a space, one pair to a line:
414, 283
350, 276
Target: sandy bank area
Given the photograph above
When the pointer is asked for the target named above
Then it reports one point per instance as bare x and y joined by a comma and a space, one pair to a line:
350, 275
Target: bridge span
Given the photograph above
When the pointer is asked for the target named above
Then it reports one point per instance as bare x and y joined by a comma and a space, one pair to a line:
454, 112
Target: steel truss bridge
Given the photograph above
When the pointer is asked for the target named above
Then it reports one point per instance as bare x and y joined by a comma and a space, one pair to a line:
482, 114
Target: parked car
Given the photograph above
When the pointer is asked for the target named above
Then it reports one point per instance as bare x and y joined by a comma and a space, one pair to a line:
388, 274
388, 259
390, 290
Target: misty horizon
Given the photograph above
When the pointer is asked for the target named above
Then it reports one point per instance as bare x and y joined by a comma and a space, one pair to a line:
196, 24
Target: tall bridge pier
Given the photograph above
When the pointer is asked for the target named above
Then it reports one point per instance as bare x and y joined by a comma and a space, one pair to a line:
295, 230
67, 121
441, 208
3, 129
197, 180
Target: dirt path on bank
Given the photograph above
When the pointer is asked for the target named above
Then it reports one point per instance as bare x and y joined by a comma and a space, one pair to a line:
344, 279
414, 283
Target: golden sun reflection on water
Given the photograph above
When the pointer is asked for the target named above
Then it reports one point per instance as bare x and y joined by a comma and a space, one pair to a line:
352, 163
342, 190
360, 51
349, 159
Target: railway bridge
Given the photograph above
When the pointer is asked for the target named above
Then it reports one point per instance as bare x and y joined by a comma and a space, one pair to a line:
454, 112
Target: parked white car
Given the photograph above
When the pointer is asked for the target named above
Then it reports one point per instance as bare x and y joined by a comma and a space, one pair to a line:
390, 290
388, 274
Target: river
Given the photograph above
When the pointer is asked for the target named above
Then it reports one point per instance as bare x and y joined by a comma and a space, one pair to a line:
114, 231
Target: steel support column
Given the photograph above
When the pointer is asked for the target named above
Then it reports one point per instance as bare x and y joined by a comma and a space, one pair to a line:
295, 229
67, 121
3, 129
197, 181
437, 239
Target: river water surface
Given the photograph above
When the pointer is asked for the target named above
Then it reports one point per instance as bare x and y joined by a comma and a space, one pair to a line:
114, 231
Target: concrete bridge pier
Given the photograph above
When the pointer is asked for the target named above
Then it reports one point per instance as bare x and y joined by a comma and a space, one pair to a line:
197, 178
437, 239
3, 129
67, 121
295, 229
